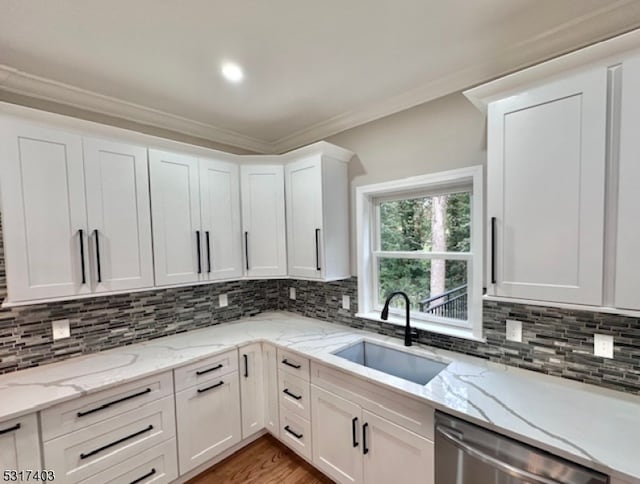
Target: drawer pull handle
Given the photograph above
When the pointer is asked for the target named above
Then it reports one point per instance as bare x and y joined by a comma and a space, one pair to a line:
297, 436
292, 395
354, 431
292, 365
142, 478
217, 367
10, 429
119, 441
119, 400
365, 449
246, 366
202, 390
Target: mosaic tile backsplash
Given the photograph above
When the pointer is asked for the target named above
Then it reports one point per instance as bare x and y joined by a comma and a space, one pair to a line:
557, 342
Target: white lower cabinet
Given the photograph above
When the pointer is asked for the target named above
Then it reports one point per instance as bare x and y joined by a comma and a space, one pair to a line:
271, 403
351, 444
208, 420
295, 432
20, 444
251, 389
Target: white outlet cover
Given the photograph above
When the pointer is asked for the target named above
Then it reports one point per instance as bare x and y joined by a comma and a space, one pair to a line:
514, 330
292, 293
60, 329
223, 301
346, 302
603, 345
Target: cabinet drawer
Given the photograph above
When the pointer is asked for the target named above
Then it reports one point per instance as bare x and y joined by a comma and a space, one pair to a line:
93, 449
205, 370
96, 407
295, 432
405, 411
294, 394
157, 465
293, 364
20, 443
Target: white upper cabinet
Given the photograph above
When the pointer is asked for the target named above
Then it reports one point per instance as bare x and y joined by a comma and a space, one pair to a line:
263, 220
220, 202
119, 220
175, 208
44, 211
627, 267
317, 218
546, 169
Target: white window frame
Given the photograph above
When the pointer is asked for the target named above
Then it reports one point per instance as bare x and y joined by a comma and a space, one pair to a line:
368, 198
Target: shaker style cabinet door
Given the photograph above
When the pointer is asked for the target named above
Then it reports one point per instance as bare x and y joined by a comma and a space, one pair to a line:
175, 210
20, 444
271, 404
303, 181
546, 167
220, 204
118, 214
263, 220
252, 393
43, 211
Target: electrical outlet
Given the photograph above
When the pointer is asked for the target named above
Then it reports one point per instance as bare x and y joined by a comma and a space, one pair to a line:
514, 330
603, 345
60, 329
223, 301
346, 302
292, 293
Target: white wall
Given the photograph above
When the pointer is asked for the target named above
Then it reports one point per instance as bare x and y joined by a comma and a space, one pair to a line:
440, 135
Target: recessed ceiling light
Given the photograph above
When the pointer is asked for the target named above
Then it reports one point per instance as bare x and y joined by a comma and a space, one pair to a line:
232, 72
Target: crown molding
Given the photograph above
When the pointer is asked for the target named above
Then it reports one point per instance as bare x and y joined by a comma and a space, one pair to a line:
603, 23
14, 80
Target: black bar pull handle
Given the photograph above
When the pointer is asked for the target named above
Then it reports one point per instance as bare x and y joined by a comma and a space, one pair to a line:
206, 389
246, 249
13, 428
297, 436
146, 476
354, 431
99, 270
198, 250
113, 402
292, 395
292, 365
365, 449
209, 370
116, 442
208, 251
246, 366
82, 268
493, 249
318, 268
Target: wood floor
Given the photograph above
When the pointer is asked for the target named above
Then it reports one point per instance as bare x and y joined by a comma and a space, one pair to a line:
264, 461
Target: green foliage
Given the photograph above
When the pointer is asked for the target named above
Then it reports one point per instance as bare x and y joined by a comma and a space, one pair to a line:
406, 226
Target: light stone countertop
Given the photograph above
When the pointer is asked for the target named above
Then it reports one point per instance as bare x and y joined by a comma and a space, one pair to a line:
593, 426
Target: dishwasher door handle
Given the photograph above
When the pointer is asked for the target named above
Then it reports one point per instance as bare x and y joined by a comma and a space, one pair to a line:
514, 471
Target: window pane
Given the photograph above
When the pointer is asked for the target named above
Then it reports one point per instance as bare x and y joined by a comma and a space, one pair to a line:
434, 224
434, 287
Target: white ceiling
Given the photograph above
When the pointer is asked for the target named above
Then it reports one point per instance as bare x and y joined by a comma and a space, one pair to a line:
312, 68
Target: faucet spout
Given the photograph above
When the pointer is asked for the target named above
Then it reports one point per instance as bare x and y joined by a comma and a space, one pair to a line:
385, 314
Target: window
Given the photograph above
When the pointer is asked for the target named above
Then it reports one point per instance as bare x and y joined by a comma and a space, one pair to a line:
422, 235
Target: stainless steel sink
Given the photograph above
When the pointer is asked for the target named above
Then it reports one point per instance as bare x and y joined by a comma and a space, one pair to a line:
408, 366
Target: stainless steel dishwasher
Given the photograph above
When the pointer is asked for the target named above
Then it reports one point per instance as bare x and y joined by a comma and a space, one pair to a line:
468, 454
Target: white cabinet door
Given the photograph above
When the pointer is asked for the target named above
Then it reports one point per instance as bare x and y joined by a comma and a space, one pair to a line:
627, 279
546, 157
394, 454
220, 200
43, 211
175, 209
336, 432
263, 220
119, 218
303, 181
270, 372
208, 420
20, 444
251, 389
